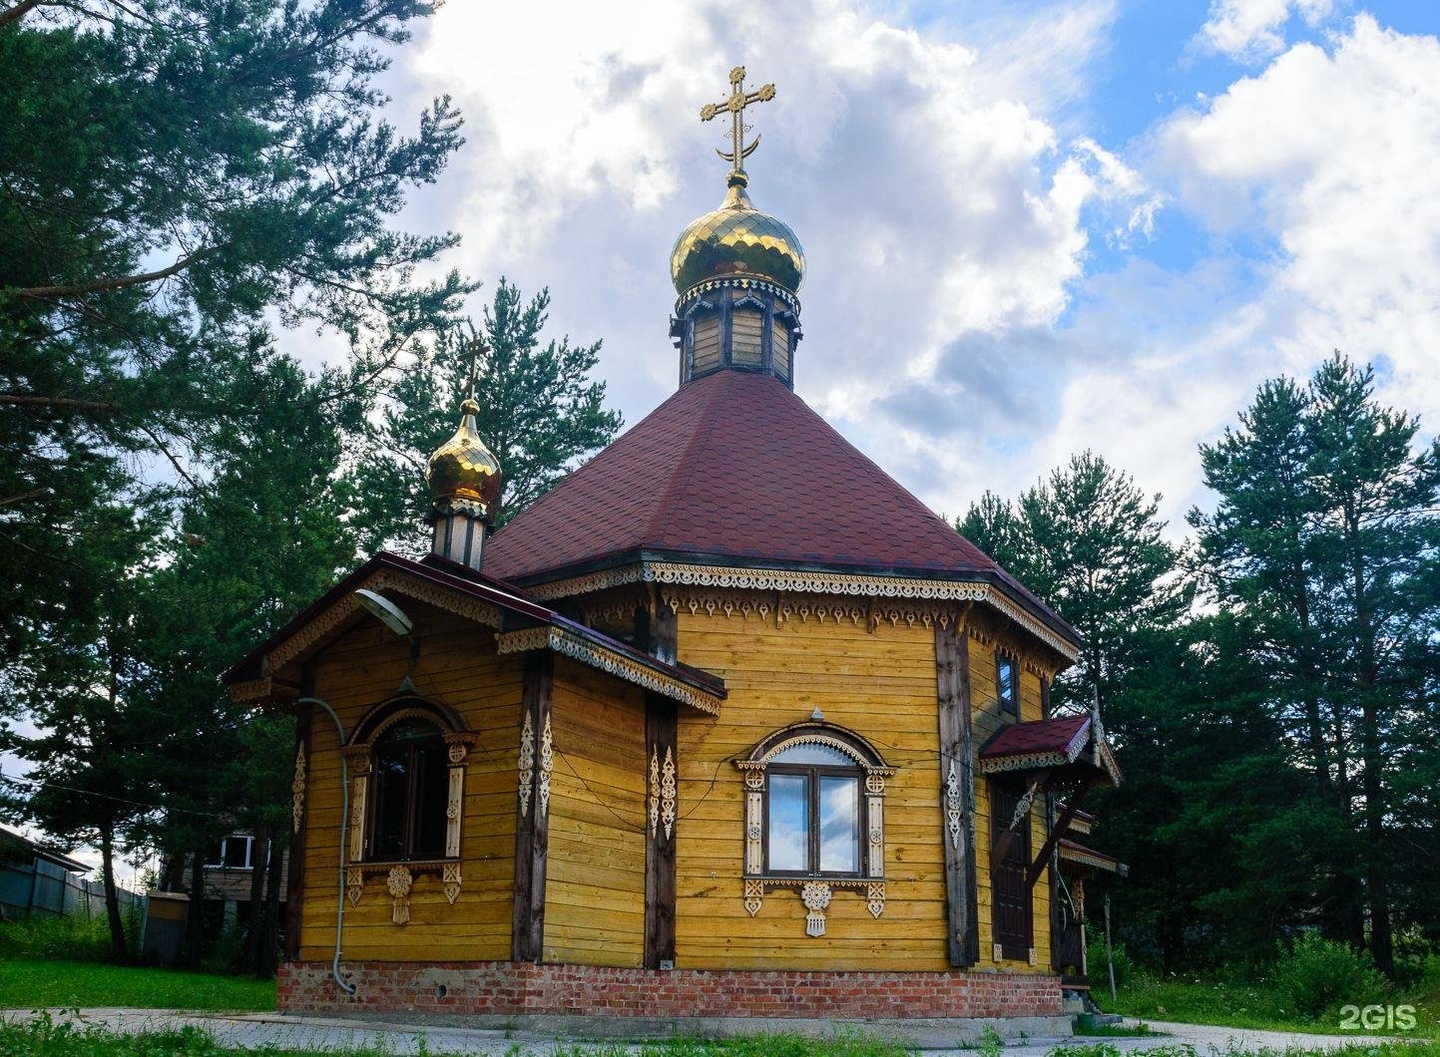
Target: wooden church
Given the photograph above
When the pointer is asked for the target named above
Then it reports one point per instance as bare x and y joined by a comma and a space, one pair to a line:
728, 724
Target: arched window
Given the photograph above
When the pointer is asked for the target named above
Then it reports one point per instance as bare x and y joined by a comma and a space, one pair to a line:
410, 779
814, 818
407, 775
812, 823
407, 799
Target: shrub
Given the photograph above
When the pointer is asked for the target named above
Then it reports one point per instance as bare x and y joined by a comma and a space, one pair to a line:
1095, 963
1315, 976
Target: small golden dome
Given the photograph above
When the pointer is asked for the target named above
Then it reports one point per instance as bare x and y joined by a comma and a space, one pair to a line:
462, 467
737, 241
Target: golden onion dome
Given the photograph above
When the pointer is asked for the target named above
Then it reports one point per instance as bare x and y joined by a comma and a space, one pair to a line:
737, 241
462, 467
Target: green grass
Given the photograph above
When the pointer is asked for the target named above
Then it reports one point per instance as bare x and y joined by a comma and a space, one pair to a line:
1239, 1004
34, 984
1417, 1048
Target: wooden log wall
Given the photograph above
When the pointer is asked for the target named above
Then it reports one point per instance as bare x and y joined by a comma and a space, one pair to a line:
882, 685
595, 883
457, 664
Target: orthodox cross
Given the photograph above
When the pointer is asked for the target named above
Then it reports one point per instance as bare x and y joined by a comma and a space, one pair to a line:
735, 107
475, 348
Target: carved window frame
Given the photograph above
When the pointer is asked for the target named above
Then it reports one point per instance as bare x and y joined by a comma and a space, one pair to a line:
815, 887
360, 753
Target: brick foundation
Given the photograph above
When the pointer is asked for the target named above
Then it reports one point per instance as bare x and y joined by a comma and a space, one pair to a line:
521, 988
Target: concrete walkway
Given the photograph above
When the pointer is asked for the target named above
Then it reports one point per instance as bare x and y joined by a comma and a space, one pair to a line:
342, 1035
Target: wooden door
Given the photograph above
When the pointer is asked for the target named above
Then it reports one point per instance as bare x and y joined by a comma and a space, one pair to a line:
1011, 921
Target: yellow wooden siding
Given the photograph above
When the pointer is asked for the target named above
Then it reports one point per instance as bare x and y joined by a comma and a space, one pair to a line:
880, 685
457, 665
595, 865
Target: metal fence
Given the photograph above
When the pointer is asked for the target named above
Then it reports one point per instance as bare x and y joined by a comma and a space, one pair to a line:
48, 889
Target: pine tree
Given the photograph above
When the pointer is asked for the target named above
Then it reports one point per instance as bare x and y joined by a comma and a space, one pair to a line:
1089, 542
173, 176
1327, 533
540, 414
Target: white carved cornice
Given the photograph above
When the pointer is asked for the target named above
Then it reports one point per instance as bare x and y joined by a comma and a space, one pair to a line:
614, 662
739, 578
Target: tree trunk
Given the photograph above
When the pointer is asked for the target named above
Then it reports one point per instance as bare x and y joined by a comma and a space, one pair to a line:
119, 949
250, 959
195, 925
273, 888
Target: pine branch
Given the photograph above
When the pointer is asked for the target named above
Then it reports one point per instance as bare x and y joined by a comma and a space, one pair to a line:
20, 400
14, 14
95, 286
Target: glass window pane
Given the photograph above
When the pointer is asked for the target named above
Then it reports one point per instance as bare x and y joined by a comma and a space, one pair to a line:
388, 782
789, 822
824, 755
1006, 681
406, 729
840, 825
237, 852
433, 789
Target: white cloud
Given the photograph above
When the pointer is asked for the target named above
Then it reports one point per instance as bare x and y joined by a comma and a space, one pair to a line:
1251, 30
953, 201
923, 174
1332, 155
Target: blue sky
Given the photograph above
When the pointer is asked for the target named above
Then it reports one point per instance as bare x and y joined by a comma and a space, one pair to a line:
1032, 228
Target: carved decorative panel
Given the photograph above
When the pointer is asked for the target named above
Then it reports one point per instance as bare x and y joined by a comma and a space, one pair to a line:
668, 794
547, 765
527, 764
754, 893
816, 897
398, 883
450, 877
297, 789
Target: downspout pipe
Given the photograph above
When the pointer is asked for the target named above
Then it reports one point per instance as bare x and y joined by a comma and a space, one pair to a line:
345, 986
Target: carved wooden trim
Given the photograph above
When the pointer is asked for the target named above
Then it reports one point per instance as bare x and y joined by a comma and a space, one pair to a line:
398, 883
755, 888
527, 763
455, 810
297, 790
818, 583
614, 605
359, 787
668, 793
448, 870
305, 637
295, 882
547, 767
580, 585
248, 690
447, 598
611, 661
875, 898
816, 896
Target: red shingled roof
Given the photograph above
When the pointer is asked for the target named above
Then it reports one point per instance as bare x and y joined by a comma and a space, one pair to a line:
1060, 737
735, 466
